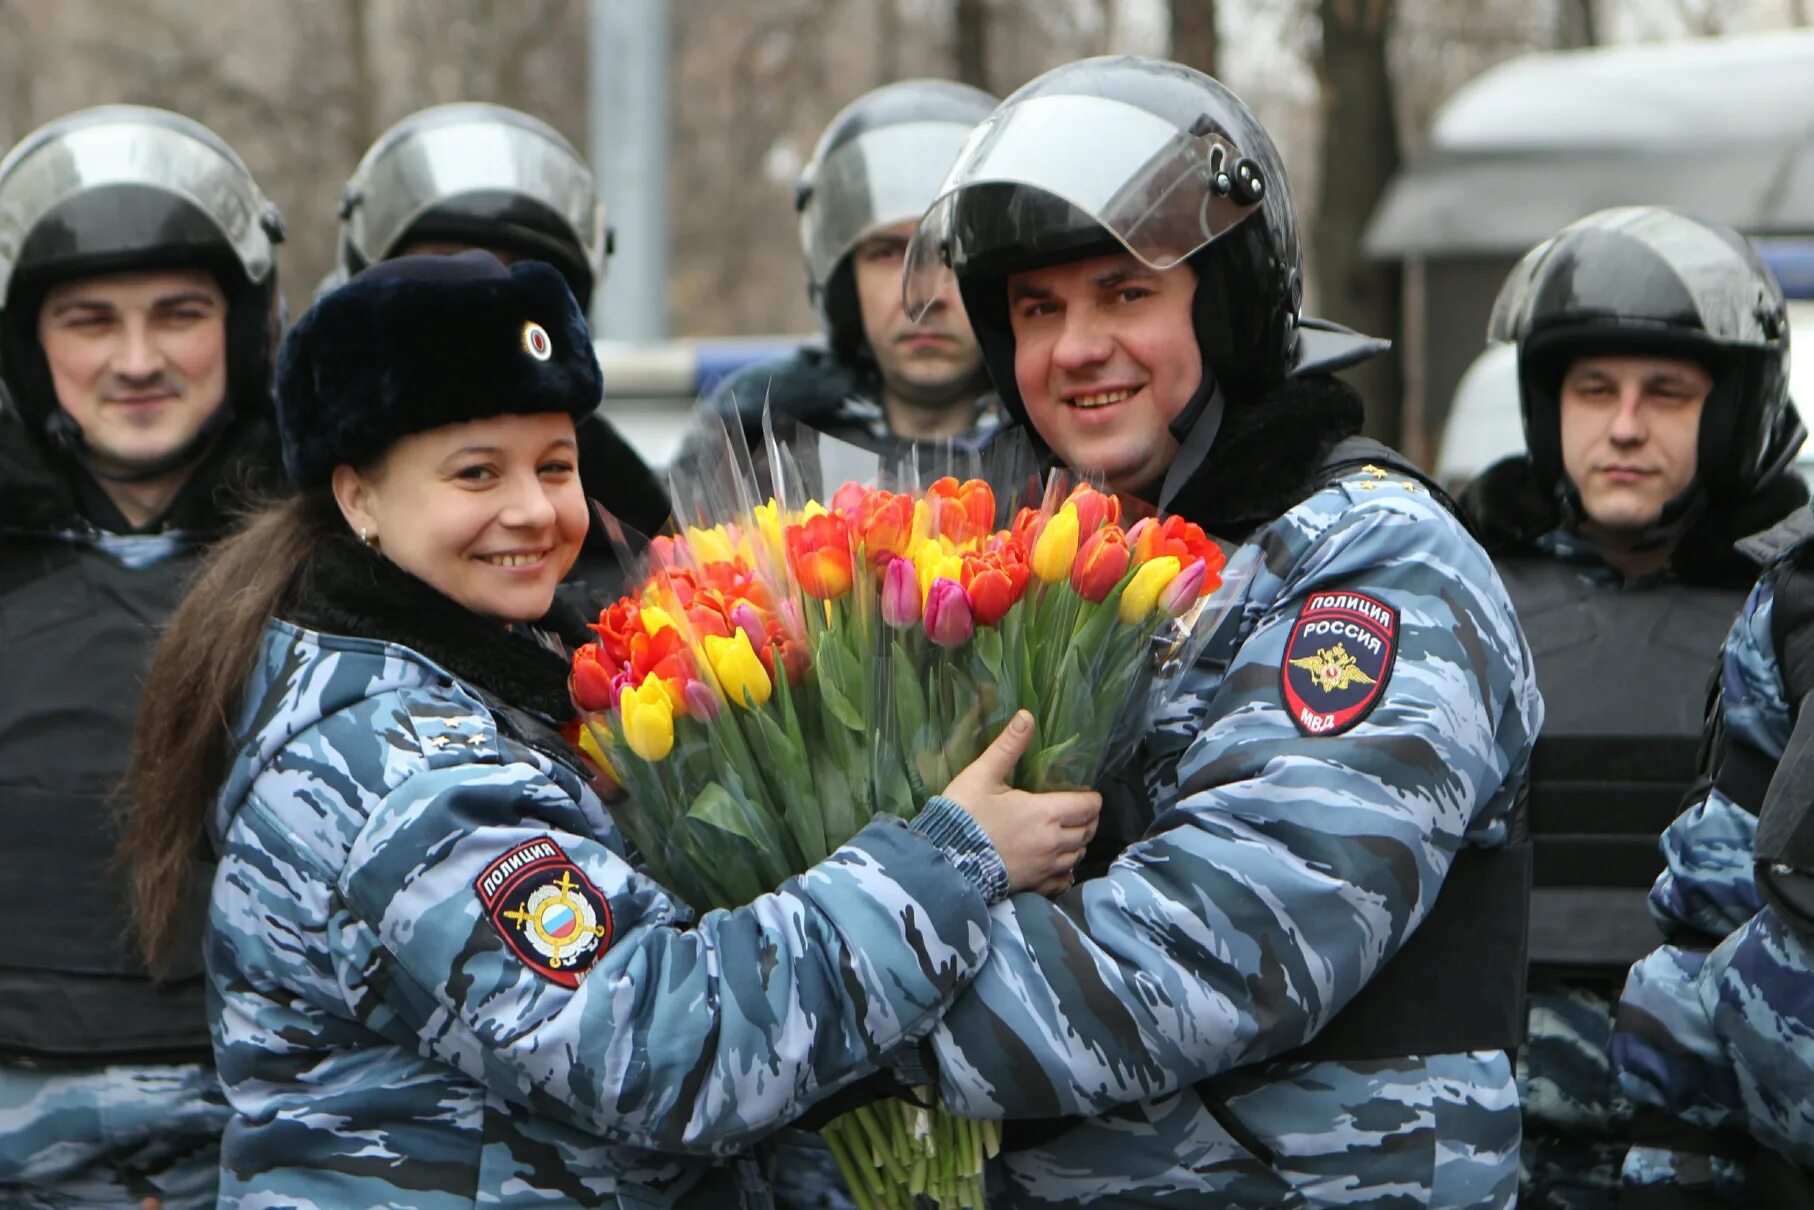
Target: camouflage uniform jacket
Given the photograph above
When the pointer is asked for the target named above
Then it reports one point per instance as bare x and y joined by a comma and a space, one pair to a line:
390, 1031
1717, 1030
1300, 835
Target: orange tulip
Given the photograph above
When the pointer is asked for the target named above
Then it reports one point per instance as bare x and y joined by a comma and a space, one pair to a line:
885, 526
995, 579
1101, 562
1184, 542
818, 552
962, 512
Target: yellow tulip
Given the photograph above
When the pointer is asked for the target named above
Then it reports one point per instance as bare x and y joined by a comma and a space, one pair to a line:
740, 674
655, 619
932, 558
1142, 592
1056, 548
647, 719
588, 743
712, 545
813, 509
768, 524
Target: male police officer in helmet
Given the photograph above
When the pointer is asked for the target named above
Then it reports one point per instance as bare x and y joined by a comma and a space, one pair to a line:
1652, 353
468, 175
1298, 985
138, 312
882, 381
1714, 1029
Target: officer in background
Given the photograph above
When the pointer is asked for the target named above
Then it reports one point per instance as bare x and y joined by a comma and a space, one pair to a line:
1652, 358
1235, 1011
879, 381
1714, 1040
469, 175
138, 315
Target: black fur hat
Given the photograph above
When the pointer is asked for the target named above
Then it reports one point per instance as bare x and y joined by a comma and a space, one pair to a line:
422, 341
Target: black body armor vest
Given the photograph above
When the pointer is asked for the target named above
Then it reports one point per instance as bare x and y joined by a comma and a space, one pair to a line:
76, 631
1625, 678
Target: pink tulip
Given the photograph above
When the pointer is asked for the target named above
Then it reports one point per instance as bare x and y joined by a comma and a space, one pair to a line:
900, 593
745, 618
949, 619
701, 702
1179, 595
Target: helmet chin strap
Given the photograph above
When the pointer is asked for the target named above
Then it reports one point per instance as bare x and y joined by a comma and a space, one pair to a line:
65, 434
1194, 429
1682, 511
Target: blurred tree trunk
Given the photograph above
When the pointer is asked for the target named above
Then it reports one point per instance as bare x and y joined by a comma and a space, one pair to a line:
970, 37
888, 41
1798, 13
362, 105
1359, 156
1575, 24
1193, 27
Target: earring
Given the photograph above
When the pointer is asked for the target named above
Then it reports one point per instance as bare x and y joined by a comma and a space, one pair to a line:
366, 537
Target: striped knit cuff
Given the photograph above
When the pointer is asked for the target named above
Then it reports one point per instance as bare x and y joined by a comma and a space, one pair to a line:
946, 824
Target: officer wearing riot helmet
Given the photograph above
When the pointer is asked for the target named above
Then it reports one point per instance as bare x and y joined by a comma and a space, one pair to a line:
881, 380
1712, 1035
1234, 1009
1652, 353
138, 314
470, 175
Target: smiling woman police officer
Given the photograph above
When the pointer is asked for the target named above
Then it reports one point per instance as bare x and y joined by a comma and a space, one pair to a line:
399, 818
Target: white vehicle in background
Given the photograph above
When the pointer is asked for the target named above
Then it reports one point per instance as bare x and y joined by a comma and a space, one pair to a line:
1485, 425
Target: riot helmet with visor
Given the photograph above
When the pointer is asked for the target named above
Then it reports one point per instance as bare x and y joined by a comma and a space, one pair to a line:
878, 164
125, 188
1651, 281
479, 175
1124, 154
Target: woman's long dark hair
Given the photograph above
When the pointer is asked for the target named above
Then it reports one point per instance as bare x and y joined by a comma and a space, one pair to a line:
193, 693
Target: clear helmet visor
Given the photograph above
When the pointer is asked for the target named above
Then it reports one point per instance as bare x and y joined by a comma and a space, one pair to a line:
429, 166
1076, 160
1642, 266
117, 147
878, 179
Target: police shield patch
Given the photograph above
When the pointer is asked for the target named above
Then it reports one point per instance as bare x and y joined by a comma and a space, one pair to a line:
1338, 660
547, 910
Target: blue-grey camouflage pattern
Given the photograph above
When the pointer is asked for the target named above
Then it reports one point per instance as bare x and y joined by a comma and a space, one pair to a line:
110, 1136
381, 1044
1280, 873
1721, 1040
1576, 1122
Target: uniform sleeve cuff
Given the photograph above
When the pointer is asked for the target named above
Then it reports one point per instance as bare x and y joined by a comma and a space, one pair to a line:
946, 824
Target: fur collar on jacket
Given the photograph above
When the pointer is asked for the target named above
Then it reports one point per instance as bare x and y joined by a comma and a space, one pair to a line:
37, 484
348, 589
1269, 453
1511, 512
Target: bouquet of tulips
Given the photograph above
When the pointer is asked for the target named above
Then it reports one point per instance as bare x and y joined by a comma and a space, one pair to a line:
785, 671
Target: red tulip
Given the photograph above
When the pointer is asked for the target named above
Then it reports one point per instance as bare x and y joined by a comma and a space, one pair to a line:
592, 679
1094, 509
1101, 562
